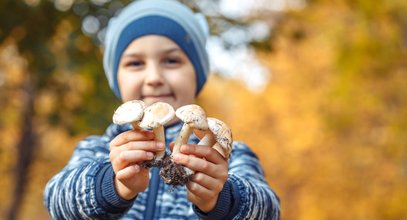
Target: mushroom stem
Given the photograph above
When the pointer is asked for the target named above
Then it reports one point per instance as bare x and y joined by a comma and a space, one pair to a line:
182, 138
160, 137
209, 140
155, 117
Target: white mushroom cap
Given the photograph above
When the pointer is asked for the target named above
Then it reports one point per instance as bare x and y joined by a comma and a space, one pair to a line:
222, 133
157, 114
193, 115
129, 112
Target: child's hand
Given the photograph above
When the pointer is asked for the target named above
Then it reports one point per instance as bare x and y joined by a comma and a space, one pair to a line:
211, 173
127, 151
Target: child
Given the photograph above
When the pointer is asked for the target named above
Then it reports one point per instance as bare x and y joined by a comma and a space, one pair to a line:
155, 51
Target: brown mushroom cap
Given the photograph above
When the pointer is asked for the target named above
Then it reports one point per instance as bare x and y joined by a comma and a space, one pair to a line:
193, 115
157, 114
129, 112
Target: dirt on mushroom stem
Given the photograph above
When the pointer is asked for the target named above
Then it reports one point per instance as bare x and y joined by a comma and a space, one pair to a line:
174, 174
154, 162
194, 117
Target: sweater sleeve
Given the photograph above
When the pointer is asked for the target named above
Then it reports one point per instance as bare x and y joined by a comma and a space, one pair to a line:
79, 190
222, 208
253, 197
246, 194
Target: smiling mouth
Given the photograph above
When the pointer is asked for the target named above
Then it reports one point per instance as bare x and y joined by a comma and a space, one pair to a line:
157, 97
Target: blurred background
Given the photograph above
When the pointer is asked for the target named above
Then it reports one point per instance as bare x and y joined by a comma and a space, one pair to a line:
317, 88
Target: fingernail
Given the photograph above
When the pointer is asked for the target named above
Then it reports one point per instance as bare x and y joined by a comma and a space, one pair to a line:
185, 148
160, 145
150, 155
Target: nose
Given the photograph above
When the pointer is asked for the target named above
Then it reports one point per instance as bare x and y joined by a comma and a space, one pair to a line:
154, 75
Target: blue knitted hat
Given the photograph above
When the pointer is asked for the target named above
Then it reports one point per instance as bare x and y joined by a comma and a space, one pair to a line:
168, 18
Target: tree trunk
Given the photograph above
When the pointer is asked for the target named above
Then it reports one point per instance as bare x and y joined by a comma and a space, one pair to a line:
25, 147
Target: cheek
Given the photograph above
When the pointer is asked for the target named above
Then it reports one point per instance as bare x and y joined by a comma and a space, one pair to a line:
185, 88
129, 85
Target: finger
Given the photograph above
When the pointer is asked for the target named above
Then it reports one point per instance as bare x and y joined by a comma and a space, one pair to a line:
132, 135
199, 193
130, 157
203, 152
195, 163
152, 146
209, 182
128, 172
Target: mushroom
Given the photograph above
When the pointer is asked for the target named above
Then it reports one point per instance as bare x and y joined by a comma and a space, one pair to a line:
155, 117
218, 135
194, 117
129, 112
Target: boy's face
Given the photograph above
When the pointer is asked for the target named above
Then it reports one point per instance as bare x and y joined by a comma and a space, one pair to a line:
154, 68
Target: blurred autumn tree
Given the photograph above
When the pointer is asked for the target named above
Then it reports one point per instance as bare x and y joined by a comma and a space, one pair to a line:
329, 127
50, 74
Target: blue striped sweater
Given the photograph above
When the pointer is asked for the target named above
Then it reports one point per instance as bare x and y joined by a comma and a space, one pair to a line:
84, 189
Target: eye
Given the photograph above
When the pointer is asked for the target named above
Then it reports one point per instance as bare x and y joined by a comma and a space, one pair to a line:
134, 63
172, 61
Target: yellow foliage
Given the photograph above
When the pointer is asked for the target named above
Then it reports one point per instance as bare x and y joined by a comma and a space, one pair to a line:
329, 128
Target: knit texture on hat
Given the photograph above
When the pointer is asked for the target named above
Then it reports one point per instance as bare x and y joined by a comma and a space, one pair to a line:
168, 18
